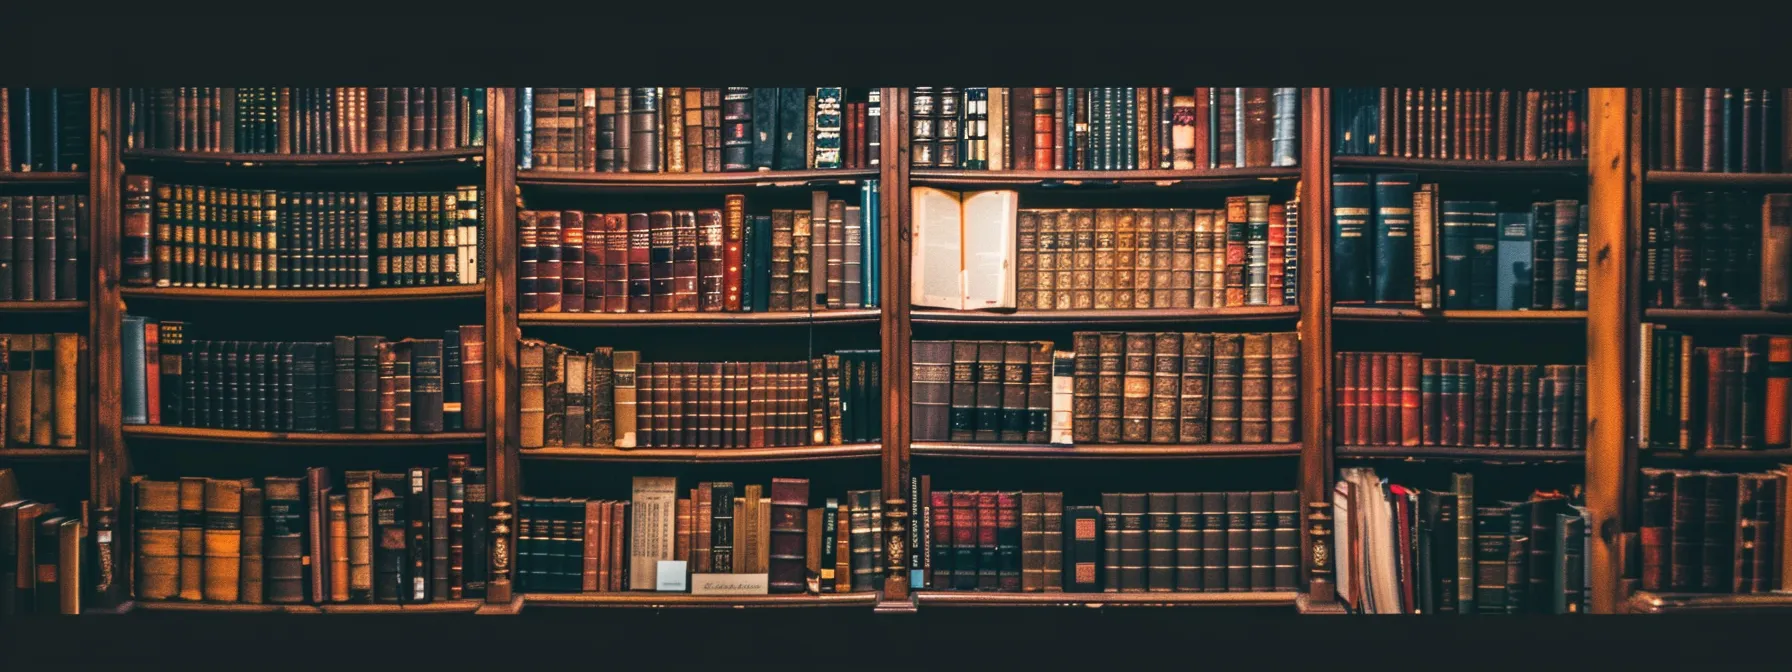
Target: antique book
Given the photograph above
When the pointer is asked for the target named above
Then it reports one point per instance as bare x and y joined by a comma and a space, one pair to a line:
222, 540
158, 539
192, 538
964, 249
285, 546
654, 502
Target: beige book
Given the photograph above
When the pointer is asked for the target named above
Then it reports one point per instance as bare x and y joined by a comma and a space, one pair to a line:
964, 248
1424, 248
624, 363
997, 128
763, 530
654, 505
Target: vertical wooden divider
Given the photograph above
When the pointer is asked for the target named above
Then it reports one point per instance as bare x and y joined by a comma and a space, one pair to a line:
1614, 193
895, 338
1316, 342
109, 467
500, 336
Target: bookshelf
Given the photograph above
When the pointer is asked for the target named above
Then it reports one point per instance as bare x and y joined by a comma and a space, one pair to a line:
1613, 173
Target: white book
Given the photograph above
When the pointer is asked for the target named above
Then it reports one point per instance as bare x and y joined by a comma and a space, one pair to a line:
963, 252
1063, 394
655, 517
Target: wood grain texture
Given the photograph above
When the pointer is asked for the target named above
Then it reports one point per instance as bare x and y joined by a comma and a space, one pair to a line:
109, 465
895, 231
1101, 317
1614, 149
1315, 324
650, 600
244, 436
1680, 316
1106, 451
788, 319
500, 318
1369, 314
44, 306
1219, 178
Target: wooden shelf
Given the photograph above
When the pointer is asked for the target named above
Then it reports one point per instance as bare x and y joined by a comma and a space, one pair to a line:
1306, 605
1217, 178
1562, 168
1108, 450
1452, 453
1378, 314
196, 434
470, 156
36, 453
649, 600
1649, 602
1732, 455
368, 294
43, 177
1697, 316
445, 607
43, 306
856, 316
567, 180
1676, 178
704, 455
1094, 317
952, 598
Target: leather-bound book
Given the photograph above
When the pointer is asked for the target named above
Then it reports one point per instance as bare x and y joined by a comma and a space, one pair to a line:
1254, 388
1492, 542
1226, 388
1192, 397
1765, 518
1012, 405
737, 129
1655, 532
1041, 362
1238, 543
317, 532
963, 409
1082, 549
158, 538
343, 383
1686, 529
475, 558
1719, 532
1161, 542
1135, 405
426, 384
285, 543
1032, 542
986, 519
644, 130
436, 526
337, 530
548, 269
658, 271
192, 538
252, 525
358, 545
1127, 541
388, 552
941, 542
987, 390
592, 543
683, 294
1007, 543
416, 536
1166, 387
962, 564
789, 505
222, 540
932, 387
722, 527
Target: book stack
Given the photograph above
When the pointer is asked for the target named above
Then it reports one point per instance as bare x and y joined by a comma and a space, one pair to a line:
43, 397
182, 235
1711, 397
43, 130
1132, 542
347, 384
1191, 388
43, 554
1403, 399
572, 545
1397, 242
1461, 124
1716, 130
1103, 128
284, 120
43, 247
1407, 550
709, 260
411, 537
1715, 532
611, 398
698, 130
1718, 250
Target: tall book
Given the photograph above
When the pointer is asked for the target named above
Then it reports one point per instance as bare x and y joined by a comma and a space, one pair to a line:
654, 503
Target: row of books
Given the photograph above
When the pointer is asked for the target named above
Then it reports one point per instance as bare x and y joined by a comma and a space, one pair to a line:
1718, 250
571, 545
1714, 531
1408, 550
43, 399
1132, 542
1716, 130
707, 260
44, 554
1103, 128
698, 130
43, 247
610, 398
348, 384
1713, 397
43, 129
1396, 241
286, 120
410, 537
182, 235
1169, 387
1405, 399
1465, 124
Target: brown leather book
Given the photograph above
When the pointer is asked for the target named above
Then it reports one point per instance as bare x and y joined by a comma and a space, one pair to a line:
1719, 534
1085, 347
1135, 408
338, 553
1016, 363
684, 518
284, 549
192, 538
317, 533
599, 529
1166, 387
158, 539
1226, 388
661, 241
1284, 387
788, 515
439, 580
1161, 542
1359, 384
1032, 542
1257, 132
43, 386
65, 422
1254, 389
1134, 544
222, 539
358, 516
591, 542
1378, 398
1197, 359
619, 528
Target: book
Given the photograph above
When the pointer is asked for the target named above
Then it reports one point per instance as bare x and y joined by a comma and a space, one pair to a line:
1460, 124
963, 248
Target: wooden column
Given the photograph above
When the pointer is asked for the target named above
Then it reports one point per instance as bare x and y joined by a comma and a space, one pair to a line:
1316, 343
895, 338
110, 463
500, 336
1614, 192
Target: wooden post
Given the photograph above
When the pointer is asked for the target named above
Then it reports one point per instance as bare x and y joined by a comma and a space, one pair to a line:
895, 338
1614, 190
109, 467
500, 335
1316, 342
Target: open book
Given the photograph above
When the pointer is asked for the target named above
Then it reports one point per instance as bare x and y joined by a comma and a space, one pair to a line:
963, 248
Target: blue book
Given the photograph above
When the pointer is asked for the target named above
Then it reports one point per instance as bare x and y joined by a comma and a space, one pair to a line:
1512, 278
1352, 249
765, 128
136, 384
1482, 259
525, 121
1284, 145
1071, 161
868, 240
1393, 272
476, 127
1456, 224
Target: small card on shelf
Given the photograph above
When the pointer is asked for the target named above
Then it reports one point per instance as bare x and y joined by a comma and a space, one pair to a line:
730, 584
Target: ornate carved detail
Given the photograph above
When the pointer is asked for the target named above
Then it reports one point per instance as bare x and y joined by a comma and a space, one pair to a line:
1319, 532
501, 541
102, 541
896, 538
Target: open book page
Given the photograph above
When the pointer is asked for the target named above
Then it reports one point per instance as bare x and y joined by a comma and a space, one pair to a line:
938, 261
989, 226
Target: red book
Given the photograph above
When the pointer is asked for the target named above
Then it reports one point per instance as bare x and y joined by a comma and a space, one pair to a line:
1365, 362
988, 560
964, 540
1410, 422
572, 261
547, 262
734, 226
1392, 412
528, 268
616, 249
1043, 126
640, 285
152, 369
1346, 401
1430, 370
1465, 401
1378, 399
662, 241
595, 263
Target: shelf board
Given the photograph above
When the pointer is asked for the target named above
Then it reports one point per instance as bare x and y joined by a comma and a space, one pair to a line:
791, 318
1674, 178
1650, 602
951, 598
1224, 177
445, 607
43, 306
447, 157
1561, 167
567, 180
1493, 455
1306, 605
197, 434
1109, 450
651, 600
369, 294
703, 455
38, 453
1380, 314
40, 177
1698, 316
1092, 317
1731, 455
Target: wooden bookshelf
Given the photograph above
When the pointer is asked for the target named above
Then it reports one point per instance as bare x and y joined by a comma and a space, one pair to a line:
1377, 314
650, 600
1717, 317
243, 436
1692, 179
1108, 451
952, 598
442, 607
364, 294
1566, 169
798, 319
1764, 458
1650, 602
587, 181
704, 455
471, 156
1456, 454
43, 306
43, 177
38, 453
1105, 317
1184, 179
